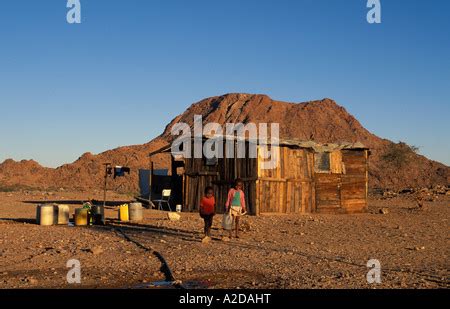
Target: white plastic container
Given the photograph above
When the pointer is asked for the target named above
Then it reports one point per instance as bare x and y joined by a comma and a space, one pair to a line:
62, 214
45, 215
136, 212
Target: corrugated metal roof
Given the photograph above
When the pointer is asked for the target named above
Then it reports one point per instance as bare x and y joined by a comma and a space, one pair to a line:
317, 147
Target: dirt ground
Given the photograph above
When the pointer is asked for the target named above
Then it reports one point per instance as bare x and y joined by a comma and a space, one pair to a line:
282, 251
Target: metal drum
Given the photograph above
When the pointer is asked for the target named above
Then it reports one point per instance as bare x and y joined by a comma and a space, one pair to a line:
98, 214
136, 212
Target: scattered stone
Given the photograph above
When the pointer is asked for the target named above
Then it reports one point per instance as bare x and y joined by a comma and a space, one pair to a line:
163, 241
389, 195
343, 275
407, 191
384, 211
245, 226
96, 250
226, 239
441, 190
177, 282
173, 216
415, 248
33, 281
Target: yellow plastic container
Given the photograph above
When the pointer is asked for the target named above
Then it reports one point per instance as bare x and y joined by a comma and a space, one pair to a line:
81, 217
124, 213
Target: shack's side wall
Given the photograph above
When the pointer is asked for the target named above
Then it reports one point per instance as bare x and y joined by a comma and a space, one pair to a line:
354, 187
198, 175
288, 188
328, 194
344, 190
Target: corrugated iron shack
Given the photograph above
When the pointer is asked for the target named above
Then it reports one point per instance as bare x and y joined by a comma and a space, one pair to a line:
308, 177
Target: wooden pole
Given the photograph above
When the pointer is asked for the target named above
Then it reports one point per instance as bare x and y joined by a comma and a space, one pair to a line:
107, 165
151, 179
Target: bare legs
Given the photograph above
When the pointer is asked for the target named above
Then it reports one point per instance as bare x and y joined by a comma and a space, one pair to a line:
236, 227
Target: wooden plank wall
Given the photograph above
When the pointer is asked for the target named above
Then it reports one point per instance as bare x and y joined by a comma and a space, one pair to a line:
328, 196
354, 181
336, 162
222, 176
344, 191
289, 187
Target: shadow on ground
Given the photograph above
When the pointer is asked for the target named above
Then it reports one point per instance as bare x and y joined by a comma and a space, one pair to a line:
78, 202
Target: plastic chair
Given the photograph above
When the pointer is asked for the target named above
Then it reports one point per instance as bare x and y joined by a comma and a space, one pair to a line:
165, 200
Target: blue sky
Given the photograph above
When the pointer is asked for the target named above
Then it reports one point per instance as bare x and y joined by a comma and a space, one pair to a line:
132, 66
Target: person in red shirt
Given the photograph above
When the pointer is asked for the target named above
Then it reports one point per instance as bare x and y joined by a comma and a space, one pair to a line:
208, 210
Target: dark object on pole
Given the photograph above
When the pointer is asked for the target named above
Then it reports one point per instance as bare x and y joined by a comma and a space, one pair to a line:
120, 171
108, 172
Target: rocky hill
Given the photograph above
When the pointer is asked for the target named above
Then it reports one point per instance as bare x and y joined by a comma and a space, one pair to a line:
393, 166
